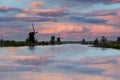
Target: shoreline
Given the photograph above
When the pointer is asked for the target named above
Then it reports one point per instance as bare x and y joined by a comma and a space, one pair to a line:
113, 46
43, 43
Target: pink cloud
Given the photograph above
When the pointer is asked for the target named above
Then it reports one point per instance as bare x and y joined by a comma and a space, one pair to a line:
54, 28
98, 30
97, 1
5, 8
36, 4
66, 30
22, 15
110, 15
47, 12
114, 1
76, 30
4, 31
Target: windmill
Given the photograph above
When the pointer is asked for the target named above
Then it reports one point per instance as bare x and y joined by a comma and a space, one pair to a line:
55, 39
58, 38
31, 35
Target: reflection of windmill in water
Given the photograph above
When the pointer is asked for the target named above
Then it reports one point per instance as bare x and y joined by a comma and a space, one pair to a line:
31, 36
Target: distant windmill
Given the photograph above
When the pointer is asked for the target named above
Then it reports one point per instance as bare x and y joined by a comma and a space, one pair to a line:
58, 39
55, 39
31, 35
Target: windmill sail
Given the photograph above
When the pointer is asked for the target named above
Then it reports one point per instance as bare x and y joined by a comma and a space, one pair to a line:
33, 28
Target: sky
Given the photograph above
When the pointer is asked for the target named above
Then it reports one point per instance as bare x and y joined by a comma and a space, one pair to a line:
70, 19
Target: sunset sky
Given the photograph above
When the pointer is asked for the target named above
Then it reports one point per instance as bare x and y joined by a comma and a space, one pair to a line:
71, 19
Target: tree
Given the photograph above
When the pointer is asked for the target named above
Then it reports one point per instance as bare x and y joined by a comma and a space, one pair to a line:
96, 41
1, 40
118, 39
83, 41
103, 39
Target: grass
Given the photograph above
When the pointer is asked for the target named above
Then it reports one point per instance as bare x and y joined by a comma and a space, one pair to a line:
108, 45
14, 43
23, 43
114, 45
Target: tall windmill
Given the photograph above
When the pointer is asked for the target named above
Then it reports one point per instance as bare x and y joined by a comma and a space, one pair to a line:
31, 35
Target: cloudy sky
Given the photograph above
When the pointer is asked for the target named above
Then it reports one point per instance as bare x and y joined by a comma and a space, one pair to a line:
71, 19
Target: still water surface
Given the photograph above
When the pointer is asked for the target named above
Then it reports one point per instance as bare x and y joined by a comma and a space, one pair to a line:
59, 62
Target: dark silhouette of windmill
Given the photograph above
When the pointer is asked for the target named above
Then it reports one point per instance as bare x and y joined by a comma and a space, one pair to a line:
31, 35
59, 39
55, 39
52, 40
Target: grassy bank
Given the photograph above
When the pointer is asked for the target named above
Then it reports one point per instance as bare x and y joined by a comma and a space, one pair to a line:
23, 43
108, 45
13, 43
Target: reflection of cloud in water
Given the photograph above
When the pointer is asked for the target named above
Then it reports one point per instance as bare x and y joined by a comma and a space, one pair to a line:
11, 50
28, 60
80, 69
53, 64
111, 65
106, 68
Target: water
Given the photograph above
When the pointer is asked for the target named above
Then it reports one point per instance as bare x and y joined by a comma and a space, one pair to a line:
60, 62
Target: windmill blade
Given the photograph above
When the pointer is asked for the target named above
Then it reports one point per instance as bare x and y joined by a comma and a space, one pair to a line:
33, 28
